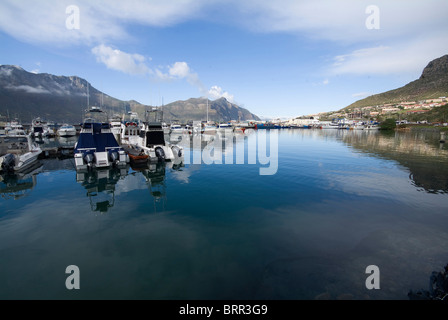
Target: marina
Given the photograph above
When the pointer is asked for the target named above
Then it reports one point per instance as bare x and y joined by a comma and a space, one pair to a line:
168, 230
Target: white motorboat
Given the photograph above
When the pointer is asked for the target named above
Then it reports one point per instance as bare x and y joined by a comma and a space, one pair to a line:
40, 129
176, 128
332, 125
210, 128
67, 130
372, 127
225, 127
18, 152
15, 128
151, 142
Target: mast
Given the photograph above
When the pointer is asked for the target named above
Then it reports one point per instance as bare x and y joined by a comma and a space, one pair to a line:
207, 110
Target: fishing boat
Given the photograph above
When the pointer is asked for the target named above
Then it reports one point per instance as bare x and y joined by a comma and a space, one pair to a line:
18, 152
67, 130
152, 143
97, 146
40, 129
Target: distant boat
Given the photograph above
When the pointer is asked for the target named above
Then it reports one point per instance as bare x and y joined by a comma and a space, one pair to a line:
116, 127
210, 128
15, 128
332, 125
265, 126
372, 127
97, 146
40, 129
225, 127
67, 130
166, 128
176, 128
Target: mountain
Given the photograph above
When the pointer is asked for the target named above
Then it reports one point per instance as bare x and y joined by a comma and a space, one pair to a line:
27, 95
219, 110
433, 83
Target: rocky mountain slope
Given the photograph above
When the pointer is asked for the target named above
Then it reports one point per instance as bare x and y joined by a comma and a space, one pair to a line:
27, 95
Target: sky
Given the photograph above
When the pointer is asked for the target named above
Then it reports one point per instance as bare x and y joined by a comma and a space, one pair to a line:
282, 58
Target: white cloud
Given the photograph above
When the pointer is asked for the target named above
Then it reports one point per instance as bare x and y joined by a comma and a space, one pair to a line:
179, 70
216, 92
29, 89
325, 82
115, 59
5, 72
101, 21
398, 58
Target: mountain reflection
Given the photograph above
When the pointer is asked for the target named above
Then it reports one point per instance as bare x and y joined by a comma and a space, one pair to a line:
420, 152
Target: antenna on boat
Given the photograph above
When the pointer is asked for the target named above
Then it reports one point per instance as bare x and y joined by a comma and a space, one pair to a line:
161, 112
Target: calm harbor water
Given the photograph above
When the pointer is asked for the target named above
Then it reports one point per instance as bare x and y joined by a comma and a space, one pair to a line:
339, 202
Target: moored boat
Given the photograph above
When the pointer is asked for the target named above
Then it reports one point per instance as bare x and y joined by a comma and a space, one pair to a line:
67, 130
97, 146
152, 142
18, 153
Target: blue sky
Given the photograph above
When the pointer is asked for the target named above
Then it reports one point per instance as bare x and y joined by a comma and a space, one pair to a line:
276, 58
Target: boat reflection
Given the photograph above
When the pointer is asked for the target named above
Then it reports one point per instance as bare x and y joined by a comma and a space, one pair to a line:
154, 175
19, 185
105, 186
100, 186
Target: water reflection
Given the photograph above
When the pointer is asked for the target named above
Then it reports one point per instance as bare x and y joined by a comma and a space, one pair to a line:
103, 186
19, 185
100, 186
154, 175
420, 152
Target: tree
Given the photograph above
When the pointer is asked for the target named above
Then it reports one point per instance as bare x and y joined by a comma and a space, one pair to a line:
388, 124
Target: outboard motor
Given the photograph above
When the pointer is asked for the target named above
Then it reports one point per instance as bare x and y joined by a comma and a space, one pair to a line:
113, 156
177, 151
8, 162
88, 158
160, 154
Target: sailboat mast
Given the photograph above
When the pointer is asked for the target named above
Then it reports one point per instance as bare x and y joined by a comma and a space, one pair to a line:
207, 110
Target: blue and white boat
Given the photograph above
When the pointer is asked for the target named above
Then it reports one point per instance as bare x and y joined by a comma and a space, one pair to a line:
97, 146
